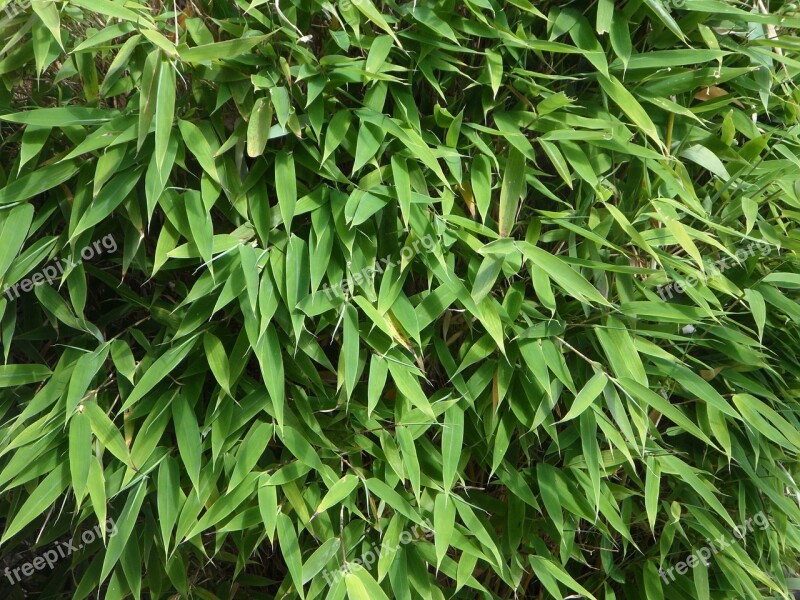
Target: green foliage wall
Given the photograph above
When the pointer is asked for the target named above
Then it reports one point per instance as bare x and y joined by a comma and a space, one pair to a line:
498, 299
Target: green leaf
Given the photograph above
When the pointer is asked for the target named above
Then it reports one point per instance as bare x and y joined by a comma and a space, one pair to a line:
338, 492
258, 127
148, 95
350, 348
403, 186
14, 375
187, 433
41, 499
217, 360
169, 498
545, 568
587, 396
444, 514
286, 187
452, 442
199, 146
106, 432
664, 407
651, 491
86, 369
61, 116
271, 360
759, 309
625, 100
110, 197
511, 190
361, 586
290, 549
48, 13
662, 12
268, 508
494, 63
124, 528
481, 179
165, 111
378, 370
409, 386
337, 130
220, 50
707, 159
369, 10
158, 371
562, 274
38, 182
111, 9
80, 454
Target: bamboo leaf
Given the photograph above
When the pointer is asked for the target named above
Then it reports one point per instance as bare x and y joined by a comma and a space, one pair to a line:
511, 191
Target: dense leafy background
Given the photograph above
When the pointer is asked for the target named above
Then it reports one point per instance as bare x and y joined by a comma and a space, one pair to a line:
525, 175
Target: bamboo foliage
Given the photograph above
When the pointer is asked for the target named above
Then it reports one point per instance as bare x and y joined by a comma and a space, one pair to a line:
399, 299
